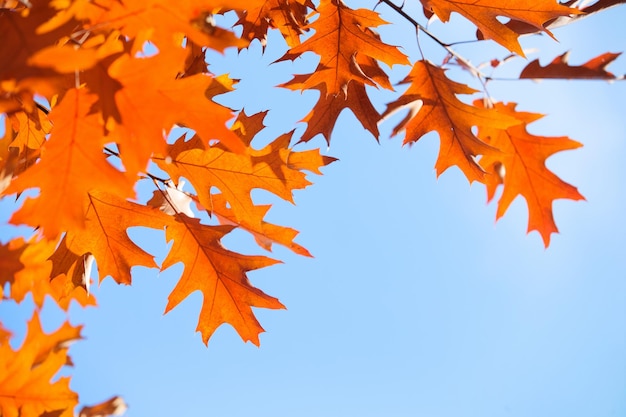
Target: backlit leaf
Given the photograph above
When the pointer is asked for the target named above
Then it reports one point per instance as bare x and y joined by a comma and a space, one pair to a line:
26, 386
520, 168
484, 14
434, 106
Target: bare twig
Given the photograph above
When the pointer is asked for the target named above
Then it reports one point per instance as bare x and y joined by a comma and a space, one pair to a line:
448, 47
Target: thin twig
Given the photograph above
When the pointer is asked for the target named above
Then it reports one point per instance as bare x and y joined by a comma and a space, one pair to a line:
475, 71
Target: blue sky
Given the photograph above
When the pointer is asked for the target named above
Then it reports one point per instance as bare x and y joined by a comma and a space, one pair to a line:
417, 303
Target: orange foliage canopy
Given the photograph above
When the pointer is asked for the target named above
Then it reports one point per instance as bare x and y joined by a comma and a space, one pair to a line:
98, 96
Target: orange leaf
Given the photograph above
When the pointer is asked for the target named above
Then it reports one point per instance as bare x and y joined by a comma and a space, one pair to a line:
21, 131
276, 155
30, 129
26, 387
159, 21
341, 36
265, 234
153, 99
5, 335
19, 41
105, 237
484, 14
560, 68
289, 17
72, 163
34, 275
434, 106
173, 201
326, 111
520, 167
221, 277
70, 58
9, 157
349, 51
236, 175
523, 28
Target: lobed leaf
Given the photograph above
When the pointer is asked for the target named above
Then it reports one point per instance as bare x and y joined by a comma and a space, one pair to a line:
484, 14
221, 277
434, 106
520, 168
26, 386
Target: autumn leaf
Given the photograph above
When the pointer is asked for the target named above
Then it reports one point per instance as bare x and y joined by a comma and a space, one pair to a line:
172, 200
72, 57
24, 134
484, 14
27, 268
9, 264
322, 118
220, 275
289, 17
236, 175
30, 129
72, 163
105, 237
341, 38
523, 28
520, 168
114, 406
26, 386
9, 158
278, 156
434, 106
18, 79
265, 233
158, 21
5, 335
561, 69
182, 101
349, 51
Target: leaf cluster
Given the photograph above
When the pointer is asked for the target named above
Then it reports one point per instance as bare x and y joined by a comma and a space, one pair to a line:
101, 98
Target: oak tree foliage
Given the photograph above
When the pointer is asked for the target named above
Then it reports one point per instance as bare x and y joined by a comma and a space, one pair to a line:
100, 97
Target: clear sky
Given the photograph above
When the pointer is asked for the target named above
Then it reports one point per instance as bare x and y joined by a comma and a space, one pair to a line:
417, 303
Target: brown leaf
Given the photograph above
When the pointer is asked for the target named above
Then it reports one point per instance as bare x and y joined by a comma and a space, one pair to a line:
10, 264
289, 17
114, 406
560, 68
